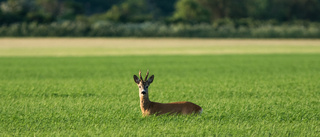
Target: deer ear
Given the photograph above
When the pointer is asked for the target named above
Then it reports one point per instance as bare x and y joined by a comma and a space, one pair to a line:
136, 79
150, 80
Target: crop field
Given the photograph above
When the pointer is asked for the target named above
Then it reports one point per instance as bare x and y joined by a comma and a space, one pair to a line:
85, 87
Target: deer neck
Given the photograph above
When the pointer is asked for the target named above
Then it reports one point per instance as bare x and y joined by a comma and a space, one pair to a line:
145, 104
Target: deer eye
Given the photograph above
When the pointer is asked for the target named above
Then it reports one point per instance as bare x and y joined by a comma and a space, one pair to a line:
139, 86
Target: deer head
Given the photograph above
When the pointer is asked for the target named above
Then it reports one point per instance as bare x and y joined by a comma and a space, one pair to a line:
143, 84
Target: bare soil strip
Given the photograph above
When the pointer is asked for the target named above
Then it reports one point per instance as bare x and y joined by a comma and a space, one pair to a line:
152, 46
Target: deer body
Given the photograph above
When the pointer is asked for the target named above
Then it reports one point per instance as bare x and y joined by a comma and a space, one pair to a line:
149, 108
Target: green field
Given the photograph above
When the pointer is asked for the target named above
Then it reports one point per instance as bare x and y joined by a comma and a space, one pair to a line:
271, 89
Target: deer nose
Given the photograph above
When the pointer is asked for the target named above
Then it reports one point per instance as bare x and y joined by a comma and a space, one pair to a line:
143, 92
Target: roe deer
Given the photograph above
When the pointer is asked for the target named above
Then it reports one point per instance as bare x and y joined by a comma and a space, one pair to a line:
149, 108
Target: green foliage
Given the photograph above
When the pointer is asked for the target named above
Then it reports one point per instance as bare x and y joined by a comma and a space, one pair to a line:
242, 95
130, 11
176, 18
225, 28
285, 10
190, 11
40, 11
187, 11
15, 10
226, 8
281, 10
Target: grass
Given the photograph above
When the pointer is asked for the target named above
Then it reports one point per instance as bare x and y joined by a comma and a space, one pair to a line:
241, 94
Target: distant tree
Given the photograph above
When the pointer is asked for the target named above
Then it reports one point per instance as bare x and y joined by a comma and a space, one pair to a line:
70, 9
92, 7
285, 10
16, 10
165, 7
190, 11
15, 6
310, 8
60, 10
258, 9
226, 8
130, 11
49, 7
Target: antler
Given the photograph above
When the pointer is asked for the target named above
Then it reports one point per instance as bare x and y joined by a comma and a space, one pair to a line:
140, 75
146, 75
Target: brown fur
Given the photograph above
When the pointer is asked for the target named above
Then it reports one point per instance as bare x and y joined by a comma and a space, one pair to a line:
150, 108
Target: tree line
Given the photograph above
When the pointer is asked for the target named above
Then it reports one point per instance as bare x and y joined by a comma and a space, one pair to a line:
248, 18
172, 11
